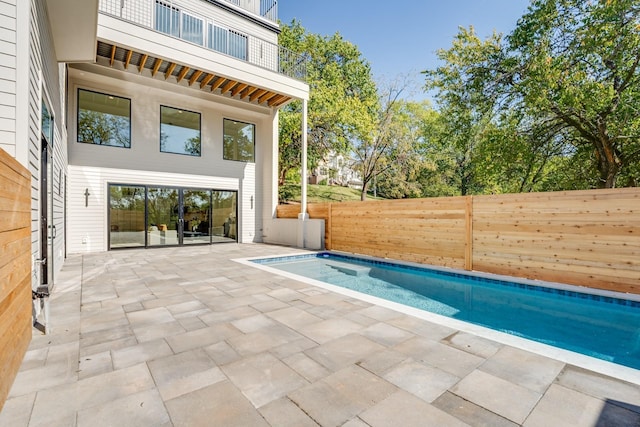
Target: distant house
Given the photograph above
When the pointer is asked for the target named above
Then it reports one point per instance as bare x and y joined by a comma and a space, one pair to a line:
144, 123
335, 169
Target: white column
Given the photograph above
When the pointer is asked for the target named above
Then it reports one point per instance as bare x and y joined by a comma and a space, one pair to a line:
303, 200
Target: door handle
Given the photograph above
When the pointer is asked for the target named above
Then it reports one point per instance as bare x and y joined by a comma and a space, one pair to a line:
42, 261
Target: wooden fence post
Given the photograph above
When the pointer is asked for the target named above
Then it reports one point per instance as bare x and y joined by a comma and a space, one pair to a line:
468, 244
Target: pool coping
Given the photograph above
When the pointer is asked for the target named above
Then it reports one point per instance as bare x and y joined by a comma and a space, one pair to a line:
600, 366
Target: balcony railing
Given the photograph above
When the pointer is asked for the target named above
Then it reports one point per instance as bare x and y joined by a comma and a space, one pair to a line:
266, 8
172, 18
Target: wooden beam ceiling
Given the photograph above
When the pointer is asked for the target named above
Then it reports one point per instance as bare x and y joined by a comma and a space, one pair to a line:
228, 87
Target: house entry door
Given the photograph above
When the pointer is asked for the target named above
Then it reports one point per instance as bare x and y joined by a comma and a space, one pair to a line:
47, 229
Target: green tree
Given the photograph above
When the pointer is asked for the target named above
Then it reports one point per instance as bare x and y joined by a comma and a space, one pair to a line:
343, 101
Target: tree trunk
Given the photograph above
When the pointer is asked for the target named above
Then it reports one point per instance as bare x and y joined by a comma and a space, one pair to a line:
363, 193
281, 177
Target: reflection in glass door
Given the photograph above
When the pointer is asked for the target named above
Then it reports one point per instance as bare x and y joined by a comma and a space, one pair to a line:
196, 211
126, 216
163, 207
225, 224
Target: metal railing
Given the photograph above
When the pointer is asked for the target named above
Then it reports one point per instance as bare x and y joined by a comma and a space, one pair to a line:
172, 18
266, 8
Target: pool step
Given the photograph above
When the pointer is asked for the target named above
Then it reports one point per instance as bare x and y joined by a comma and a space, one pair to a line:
350, 269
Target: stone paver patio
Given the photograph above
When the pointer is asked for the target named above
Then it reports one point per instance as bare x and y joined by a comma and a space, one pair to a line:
187, 337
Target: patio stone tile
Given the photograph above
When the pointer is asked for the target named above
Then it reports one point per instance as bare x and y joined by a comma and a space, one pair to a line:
186, 307
406, 410
28, 381
17, 411
307, 367
108, 345
382, 361
135, 306
284, 413
294, 317
524, 368
104, 319
88, 339
469, 412
141, 409
220, 404
420, 327
90, 392
355, 422
425, 382
183, 373
34, 358
286, 294
502, 397
449, 359
601, 386
143, 352
152, 316
269, 305
95, 364
160, 330
222, 353
253, 323
347, 392
224, 315
201, 337
263, 378
473, 344
327, 330
262, 340
292, 347
386, 335
360, 319
191, 323
343, 351
563, 407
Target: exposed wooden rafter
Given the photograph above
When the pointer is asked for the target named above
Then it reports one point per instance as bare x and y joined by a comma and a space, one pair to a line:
183, 73
194, 77
236, 90
156, 66
217, 83
113, 55
257, 94
169, 71
206, 80
227, 87
249, 91
127, 59
267, 96
143, 61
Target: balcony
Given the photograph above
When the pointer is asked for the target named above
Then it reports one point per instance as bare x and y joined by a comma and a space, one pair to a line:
200, 28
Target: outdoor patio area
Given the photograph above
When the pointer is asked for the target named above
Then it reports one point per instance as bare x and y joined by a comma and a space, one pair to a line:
187, 337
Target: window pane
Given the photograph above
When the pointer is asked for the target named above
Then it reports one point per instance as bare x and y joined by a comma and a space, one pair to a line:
218, 38
126, 216
179, 131
191, 28
104, 119
239, 141
167, 19
197, 216
47, 123
238, 45
163, 205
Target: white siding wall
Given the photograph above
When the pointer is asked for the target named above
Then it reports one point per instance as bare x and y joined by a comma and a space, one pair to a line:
46, 80
94, 166
88, 225
8, 65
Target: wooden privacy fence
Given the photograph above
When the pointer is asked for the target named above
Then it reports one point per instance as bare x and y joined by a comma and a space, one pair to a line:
587, 238
15, 261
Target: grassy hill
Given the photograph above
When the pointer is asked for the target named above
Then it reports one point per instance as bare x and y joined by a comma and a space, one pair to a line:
321, 193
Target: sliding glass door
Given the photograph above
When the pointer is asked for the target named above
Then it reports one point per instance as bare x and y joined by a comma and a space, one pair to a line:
142, 216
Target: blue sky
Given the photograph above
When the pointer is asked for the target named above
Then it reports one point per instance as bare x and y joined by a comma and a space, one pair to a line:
401, 38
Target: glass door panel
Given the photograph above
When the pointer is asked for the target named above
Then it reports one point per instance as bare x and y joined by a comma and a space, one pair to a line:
197, 216
163, 212
224, 222
126, 216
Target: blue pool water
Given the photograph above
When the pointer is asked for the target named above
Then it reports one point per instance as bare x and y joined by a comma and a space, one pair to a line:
599, 326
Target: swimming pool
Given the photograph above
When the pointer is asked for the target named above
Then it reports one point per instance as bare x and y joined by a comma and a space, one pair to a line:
594, 324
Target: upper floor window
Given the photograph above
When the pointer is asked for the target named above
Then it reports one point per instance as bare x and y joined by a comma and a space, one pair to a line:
179, 131
170, 20
239, 141
47, 123
104, 119
227, 41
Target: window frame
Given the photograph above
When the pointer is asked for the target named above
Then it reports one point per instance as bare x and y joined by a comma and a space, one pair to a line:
160, 129
78, 118
253, 159
211, 39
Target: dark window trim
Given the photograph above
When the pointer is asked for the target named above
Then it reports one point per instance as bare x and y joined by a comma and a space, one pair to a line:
254, 140
78, 115
160, 135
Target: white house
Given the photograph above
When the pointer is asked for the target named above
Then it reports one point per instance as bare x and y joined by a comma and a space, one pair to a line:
145, 123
